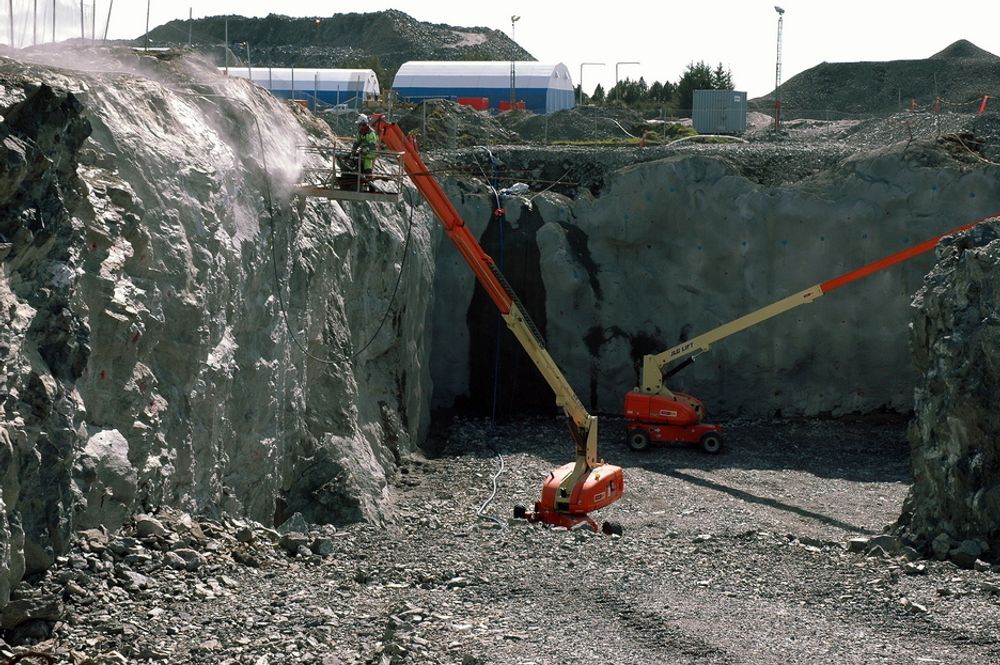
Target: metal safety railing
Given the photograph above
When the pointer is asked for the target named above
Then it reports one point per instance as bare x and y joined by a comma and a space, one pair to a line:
342, 177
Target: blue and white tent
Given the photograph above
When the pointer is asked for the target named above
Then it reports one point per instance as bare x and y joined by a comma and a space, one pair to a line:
543, 87
330, 86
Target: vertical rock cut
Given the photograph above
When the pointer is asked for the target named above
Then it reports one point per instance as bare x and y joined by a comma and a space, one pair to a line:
953, 509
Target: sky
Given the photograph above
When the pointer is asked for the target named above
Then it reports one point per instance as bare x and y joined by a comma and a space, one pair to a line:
663, 37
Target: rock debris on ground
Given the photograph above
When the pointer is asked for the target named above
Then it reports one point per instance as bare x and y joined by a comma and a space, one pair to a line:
772, 552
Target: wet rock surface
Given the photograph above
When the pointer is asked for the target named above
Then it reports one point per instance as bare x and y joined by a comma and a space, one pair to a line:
772, 552
175, 328
953, 509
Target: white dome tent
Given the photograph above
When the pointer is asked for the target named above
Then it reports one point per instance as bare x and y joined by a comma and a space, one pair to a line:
350, 87
543, 87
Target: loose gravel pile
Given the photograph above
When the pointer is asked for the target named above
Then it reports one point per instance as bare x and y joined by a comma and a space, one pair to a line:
768, 553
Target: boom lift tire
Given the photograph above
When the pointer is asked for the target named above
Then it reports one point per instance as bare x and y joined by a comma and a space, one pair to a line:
638, 439
520, 512
611, 529
711, 443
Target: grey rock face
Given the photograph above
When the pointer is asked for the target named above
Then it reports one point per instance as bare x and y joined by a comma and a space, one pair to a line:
176, 329
673, 248
955, 435
106, 481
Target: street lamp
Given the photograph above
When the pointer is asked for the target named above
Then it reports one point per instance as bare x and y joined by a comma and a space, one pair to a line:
513, 77
581, 77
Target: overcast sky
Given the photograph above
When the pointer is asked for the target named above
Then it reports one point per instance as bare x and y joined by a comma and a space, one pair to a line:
663, 36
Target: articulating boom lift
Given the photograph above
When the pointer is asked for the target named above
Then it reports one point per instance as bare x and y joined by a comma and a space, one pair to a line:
574, 489
656, 414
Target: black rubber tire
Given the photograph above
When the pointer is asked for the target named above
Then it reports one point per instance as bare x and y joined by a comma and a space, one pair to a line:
711, 443
637, 439
611, 528
520, 513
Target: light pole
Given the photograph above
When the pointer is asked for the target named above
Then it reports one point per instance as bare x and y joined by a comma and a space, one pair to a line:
107, 23
777, 71
226, 52
581, 77
513, 76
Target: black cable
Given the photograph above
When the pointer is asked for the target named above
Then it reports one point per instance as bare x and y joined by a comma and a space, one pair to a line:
399, 277
274, 258
269, 201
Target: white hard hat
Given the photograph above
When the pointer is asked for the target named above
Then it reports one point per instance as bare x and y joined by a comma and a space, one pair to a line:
362, 119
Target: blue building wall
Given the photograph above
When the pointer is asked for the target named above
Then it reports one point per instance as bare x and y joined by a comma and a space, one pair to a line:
537, 100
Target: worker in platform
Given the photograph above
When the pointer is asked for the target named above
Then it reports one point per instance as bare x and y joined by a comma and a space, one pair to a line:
364, 149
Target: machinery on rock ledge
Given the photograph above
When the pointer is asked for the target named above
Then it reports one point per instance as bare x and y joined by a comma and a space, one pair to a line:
655, 414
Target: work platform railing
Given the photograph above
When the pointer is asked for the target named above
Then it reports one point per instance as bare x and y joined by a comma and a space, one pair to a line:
343, 179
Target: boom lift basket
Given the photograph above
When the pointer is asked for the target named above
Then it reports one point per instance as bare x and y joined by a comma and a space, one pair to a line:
343, 180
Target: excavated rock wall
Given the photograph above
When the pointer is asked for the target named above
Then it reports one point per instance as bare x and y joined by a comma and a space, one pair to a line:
175, 328
672, 248
953, 508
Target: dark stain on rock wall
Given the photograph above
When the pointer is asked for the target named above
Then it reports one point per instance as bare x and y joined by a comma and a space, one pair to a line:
503, 371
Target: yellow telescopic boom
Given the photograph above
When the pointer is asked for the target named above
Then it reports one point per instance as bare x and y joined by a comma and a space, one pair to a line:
652, 365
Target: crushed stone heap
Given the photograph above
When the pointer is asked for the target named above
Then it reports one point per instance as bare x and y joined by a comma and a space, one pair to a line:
953, 509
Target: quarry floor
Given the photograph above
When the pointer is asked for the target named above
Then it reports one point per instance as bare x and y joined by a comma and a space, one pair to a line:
734, 558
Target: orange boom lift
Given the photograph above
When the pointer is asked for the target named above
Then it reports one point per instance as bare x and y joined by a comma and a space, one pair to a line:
575, 489
656, 414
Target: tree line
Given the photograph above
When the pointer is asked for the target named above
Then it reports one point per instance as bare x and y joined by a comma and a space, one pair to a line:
674, 98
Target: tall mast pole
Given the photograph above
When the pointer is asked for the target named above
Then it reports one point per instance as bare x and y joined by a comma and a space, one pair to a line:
146, 47
513, 73
34, 38
11, 5
107, 24
777, 72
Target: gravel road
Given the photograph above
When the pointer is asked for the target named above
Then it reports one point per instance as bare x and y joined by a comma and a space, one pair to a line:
736, 558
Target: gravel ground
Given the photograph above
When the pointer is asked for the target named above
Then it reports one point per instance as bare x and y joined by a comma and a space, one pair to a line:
736, 558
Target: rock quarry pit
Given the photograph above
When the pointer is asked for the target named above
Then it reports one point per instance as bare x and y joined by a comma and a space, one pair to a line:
241, 426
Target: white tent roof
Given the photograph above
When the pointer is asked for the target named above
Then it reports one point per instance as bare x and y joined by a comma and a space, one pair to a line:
482, 74
327, 80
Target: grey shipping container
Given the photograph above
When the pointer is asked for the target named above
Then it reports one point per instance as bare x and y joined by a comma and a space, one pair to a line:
719, 112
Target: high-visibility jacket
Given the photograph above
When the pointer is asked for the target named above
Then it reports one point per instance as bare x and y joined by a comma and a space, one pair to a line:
366, 145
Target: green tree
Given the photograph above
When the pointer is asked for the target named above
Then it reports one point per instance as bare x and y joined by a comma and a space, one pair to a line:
722, 79
598, 94
696, 77
656, 91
